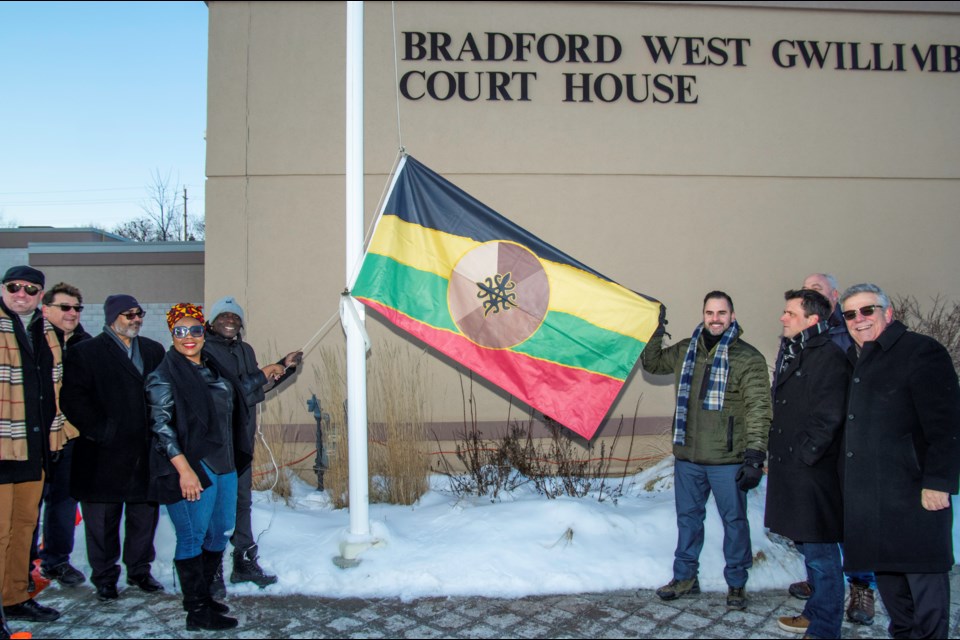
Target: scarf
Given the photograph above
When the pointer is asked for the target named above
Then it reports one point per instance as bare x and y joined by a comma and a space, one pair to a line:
793, 346
716, 385
13, 419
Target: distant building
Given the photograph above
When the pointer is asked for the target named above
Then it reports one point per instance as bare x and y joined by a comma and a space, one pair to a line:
158, 274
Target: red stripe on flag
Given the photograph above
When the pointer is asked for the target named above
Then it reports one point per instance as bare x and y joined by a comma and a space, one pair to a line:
577, 399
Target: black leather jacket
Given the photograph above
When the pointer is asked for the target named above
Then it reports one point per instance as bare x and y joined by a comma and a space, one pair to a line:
185, 419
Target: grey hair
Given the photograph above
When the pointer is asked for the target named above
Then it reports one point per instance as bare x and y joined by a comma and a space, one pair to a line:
882, 298
831, 280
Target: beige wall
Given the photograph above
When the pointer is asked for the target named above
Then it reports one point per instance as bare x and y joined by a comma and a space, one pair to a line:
773, 174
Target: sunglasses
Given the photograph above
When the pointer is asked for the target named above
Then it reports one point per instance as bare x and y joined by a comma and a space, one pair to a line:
196, 331
31, 289
67, 307
866, 311
133, 315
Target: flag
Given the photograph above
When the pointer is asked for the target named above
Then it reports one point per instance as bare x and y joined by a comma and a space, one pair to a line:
462, 278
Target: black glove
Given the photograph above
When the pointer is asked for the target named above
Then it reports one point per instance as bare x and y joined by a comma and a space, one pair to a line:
751, 471
662, 321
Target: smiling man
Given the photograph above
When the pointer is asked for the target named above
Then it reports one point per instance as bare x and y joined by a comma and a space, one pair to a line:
62, 306
901, 463
225, 345
33, 431
720, 435
103, 396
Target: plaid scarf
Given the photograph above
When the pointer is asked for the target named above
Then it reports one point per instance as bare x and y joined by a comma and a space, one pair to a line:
717, 385
793, 346
13, 425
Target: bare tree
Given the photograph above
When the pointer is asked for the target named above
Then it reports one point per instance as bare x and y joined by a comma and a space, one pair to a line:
163, 207
163, 215
140, 229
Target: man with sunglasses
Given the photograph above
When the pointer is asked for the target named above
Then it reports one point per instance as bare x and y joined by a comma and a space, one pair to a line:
33, 430
103, 396
225, 345
901, 463
62, 306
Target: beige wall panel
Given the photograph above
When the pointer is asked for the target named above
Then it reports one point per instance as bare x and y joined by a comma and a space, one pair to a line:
227, 88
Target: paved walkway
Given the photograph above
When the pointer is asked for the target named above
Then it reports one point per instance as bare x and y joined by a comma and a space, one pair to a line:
615, 614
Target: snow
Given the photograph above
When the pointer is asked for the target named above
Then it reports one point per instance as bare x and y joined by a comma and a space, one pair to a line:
522, 544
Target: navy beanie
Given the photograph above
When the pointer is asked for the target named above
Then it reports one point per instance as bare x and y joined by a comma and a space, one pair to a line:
25, 273
117, 304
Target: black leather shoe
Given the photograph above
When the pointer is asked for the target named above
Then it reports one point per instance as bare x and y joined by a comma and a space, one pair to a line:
31, 611
146, 582
106, 592
64, 573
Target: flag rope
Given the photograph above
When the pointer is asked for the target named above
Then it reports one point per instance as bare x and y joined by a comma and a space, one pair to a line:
396, 73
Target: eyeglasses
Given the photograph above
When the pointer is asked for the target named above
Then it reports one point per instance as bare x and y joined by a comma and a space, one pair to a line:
866, 311
133, 315
30, 289
68, 307
195, 331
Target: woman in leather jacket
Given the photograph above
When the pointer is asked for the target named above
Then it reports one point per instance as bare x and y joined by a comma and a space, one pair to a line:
196, 414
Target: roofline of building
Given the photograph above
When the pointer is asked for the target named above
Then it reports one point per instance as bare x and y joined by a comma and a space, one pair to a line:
27, 229
128, 247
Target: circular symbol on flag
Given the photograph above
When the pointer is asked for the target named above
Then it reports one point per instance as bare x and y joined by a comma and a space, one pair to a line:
498, 294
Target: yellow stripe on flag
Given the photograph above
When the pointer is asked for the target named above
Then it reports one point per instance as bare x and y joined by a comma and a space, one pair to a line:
574, 291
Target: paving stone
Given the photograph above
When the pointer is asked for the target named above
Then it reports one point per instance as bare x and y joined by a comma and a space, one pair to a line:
619, 614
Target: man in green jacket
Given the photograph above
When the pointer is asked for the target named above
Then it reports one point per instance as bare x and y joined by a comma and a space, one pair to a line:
720, 430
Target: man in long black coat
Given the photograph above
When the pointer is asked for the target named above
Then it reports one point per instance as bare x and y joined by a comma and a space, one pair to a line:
103, 396
902, 463
803, 484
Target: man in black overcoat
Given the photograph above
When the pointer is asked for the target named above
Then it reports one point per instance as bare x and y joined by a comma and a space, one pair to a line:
803, 484
901, 463
103, 396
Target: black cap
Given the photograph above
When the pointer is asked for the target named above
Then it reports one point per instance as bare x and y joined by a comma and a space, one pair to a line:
117, 304
25, 273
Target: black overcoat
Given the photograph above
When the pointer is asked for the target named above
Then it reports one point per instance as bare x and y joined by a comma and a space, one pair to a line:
103, 397
902, 434
804, 500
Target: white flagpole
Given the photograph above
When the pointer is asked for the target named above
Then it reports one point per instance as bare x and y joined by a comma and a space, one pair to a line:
359, 534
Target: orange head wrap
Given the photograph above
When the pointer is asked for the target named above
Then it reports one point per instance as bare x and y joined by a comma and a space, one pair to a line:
184, 310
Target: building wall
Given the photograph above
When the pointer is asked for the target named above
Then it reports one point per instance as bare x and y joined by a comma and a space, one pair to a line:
754, 174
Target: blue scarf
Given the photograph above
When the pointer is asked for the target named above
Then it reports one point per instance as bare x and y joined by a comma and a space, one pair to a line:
717, 385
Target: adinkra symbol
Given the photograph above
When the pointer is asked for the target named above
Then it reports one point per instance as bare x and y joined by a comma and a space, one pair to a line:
498, 292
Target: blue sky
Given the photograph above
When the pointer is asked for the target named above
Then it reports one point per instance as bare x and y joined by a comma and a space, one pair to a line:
95, 98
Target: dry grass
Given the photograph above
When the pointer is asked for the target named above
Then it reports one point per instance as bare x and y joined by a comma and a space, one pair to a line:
397, 416
331, 378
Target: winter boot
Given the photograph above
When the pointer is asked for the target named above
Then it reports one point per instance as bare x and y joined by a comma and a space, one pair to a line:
678, 588
213, 574
246, 569
860, 610
196, 598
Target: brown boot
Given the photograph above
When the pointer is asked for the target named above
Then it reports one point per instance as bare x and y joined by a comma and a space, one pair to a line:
860, 609
801, 590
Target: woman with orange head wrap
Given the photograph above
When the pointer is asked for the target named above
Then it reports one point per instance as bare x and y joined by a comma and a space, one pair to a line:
196, 413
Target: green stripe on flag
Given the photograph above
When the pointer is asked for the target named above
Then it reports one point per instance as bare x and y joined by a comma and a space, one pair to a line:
577, 343
562, 338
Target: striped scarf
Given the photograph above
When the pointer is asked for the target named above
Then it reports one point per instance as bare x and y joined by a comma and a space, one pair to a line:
793, 346
717, 385
13, 420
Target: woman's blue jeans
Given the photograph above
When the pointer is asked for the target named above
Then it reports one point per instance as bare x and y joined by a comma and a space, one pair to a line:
208, 522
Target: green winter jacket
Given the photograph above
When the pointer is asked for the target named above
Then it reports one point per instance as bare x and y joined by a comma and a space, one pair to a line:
719, 437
